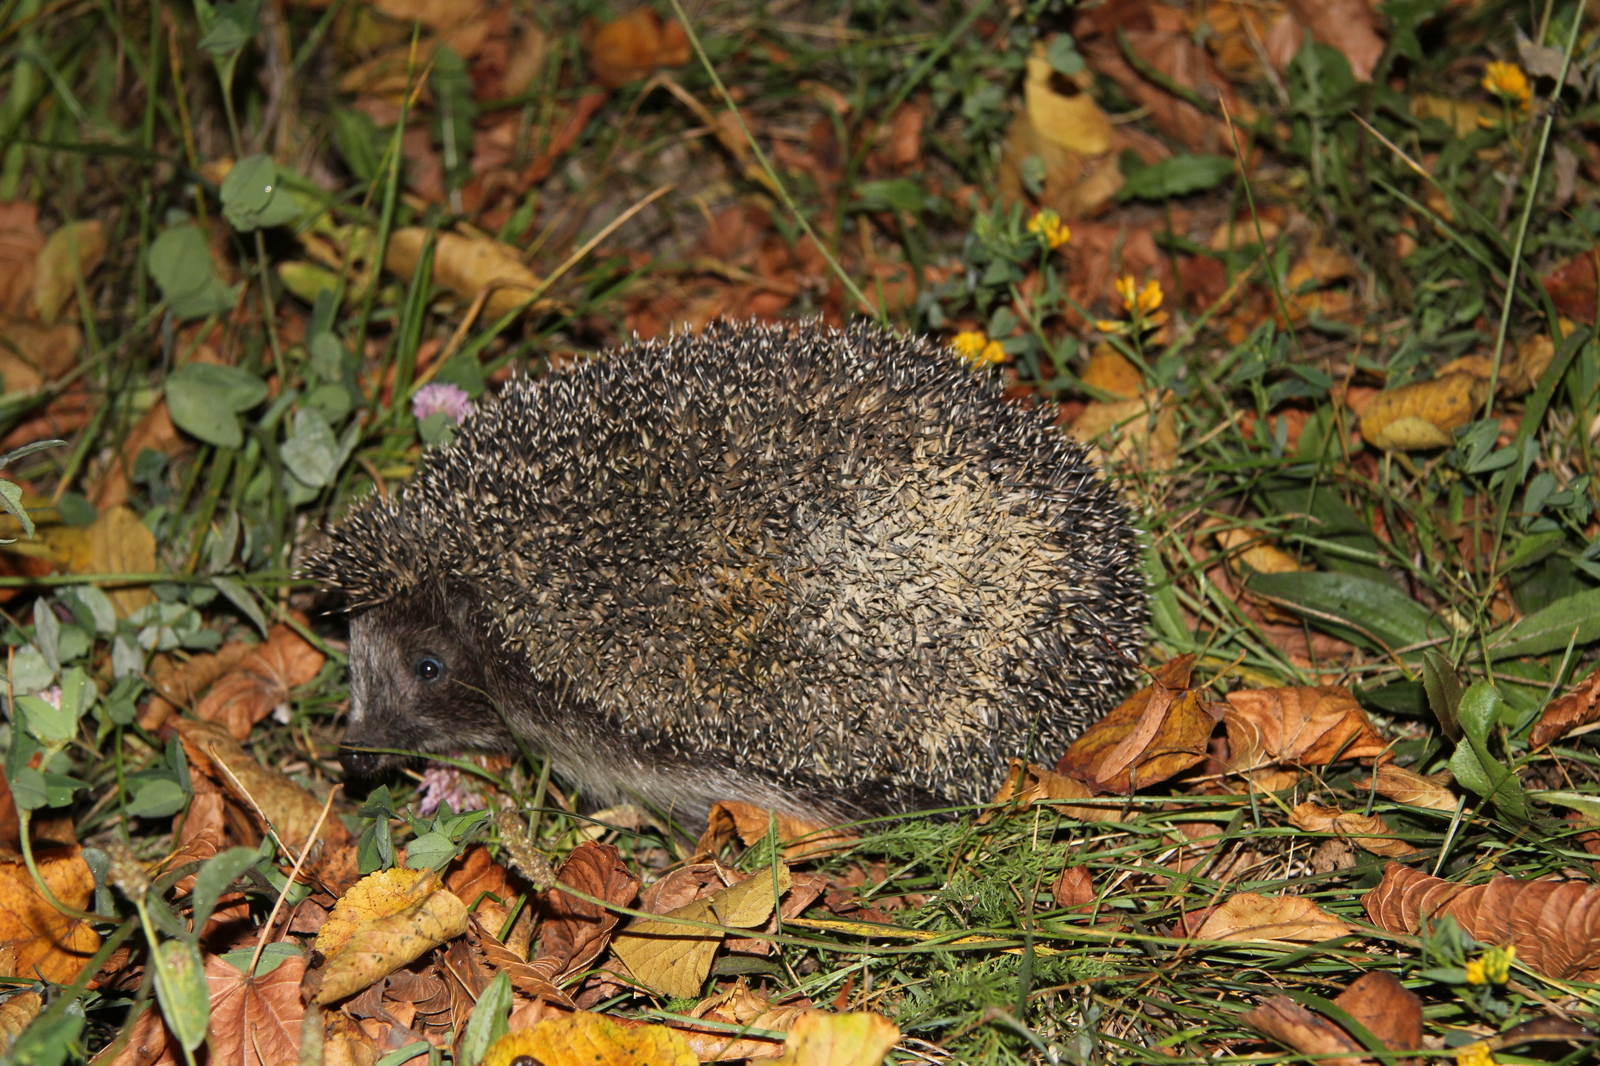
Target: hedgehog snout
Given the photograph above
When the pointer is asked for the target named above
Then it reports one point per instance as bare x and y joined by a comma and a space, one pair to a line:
359, 763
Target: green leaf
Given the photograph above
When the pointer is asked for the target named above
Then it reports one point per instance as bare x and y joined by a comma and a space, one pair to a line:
273, 955
28, 789
204, 400
243, 599
900, 194
487, 1022
1063, 55
181, 990
51, 1039
181, 265
360, 142
214, 877
1473, 765
11, 500
312, 453
430, 851
1572, 620
1439, 680
1176, 176
1353, 608
156, 797
252, 197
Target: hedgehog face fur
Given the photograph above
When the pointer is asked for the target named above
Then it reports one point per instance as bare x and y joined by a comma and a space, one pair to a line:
831, 573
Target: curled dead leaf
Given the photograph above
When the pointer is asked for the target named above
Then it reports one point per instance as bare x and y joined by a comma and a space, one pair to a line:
1408, 786
630, 47
387, 920
585, 1039
1554, 925
1159, 731
1364, 830
467, 266
1027, 784
261, 682
801, 839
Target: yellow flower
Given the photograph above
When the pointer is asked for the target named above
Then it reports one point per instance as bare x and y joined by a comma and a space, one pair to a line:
1048, 227
1497, 963
1475, 1054
977, 349
1110, 325
1475, 973
1507, 81
1146, 300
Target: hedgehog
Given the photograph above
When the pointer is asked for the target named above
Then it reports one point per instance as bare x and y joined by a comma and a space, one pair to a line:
835, 574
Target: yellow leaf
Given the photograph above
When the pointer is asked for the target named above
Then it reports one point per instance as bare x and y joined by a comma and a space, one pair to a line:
119, 543
1143, 429
37, 940
379, 946
376, 895
1422, 415
1068, 118
586, 1039
466, 266
857, 1039
1251, 916
1111, 371
674, 959
71, 252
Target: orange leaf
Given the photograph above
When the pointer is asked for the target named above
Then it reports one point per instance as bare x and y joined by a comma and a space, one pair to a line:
1300, 726
255, 1021
1159, 731
44, 942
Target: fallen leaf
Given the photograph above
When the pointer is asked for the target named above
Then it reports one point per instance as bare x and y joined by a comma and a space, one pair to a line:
1364, 830
800, 839
1571, 710
261, 791
1159, 731
261, 682
857, 1039
20, 243
630, 47
1299, 725
1386, 1008
1141, 431
1292, 1025
1061, 109
178, 685
1073, 889
1571, 285
585, 1039
119, 543
390, 918
467, 266
1463, 116
16, 1012
1111, 371
1027, 784
40, 941
70, 253
32, 356
674, 959
575, 931
1351, 26
1408, 786
1554, 925
1251, 916
1422, 415
255, 1021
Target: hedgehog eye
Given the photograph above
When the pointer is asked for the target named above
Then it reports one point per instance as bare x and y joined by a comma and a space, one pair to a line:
429, 668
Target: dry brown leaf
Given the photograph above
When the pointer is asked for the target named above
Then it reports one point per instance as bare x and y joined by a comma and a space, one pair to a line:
740, 1006
261, 682
1251, 916
801, 839
629, 48
393, 920
1159, 731
1364, 830
32, 355
155, 431
1569, 711
436, 15
1073, 889
1408, 786
1571, 285
1292, 1025
1027, 784
1142, 431
857, 1039
1247, 546
262, 791
1423, 414
1111, 371
1386, 1008
178, 685
20, 243
1554, 925
119, 543
147, 1043
585, 1039
1300, 725
575, 931
674, 959
467, 266
1462, 116
71, 253
255, 1021
39, 941
1351, 26
19, 1009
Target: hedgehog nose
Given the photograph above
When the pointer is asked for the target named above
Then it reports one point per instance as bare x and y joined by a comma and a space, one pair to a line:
358, 763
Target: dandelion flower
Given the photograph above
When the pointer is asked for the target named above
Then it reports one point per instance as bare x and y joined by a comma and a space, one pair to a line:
1507, 81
